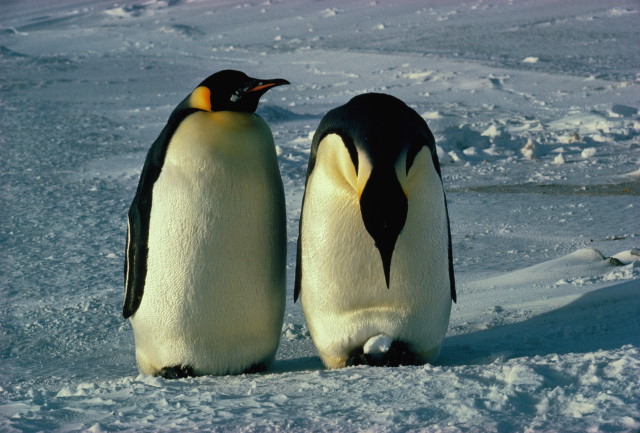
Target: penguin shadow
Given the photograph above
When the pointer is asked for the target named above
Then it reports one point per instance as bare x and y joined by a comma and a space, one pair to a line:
604, 319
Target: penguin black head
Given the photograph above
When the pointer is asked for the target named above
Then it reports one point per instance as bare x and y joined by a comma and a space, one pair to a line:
230, 90
382, 136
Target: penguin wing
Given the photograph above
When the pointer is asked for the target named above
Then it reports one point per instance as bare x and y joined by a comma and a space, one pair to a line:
452, 280
317, 137
296, 286
298, 282
135, 266
430, 142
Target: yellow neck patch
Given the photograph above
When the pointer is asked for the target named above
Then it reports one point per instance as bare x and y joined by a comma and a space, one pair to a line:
201, 98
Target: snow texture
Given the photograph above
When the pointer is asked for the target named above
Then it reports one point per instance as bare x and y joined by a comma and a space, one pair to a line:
534, 106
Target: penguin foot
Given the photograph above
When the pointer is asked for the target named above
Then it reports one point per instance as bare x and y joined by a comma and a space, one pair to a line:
397, 354
256, 368
176, 372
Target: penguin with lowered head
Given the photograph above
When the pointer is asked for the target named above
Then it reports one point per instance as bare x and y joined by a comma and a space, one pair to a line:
374, 265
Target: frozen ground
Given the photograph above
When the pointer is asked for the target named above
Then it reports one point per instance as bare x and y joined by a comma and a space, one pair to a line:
534, 105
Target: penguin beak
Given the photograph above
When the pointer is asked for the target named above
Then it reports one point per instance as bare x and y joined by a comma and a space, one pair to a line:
264, 85
384, 206
246, 97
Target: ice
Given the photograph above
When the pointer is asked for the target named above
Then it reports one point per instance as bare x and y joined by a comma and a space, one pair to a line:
559, 159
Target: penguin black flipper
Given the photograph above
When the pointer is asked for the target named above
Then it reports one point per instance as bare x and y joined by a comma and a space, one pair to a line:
325, 127
135, 266
431, 144
312, 162
296, 286
452, 279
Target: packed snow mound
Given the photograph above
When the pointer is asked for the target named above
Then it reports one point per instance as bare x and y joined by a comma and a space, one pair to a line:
629, 256
582, 263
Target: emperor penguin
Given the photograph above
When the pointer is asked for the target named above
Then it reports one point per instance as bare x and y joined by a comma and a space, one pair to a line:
206, 239
374, 265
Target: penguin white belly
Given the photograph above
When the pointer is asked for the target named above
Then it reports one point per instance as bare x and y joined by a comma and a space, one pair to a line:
214, 290
344, 295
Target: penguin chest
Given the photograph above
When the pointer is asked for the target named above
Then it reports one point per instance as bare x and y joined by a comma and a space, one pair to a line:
344, 295
217, 216
342, 270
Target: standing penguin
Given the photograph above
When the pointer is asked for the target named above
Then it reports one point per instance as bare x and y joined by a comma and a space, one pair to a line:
374, 266
206, 238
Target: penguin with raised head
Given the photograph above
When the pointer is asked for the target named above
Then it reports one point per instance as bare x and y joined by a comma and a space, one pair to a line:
206, 239
374, 266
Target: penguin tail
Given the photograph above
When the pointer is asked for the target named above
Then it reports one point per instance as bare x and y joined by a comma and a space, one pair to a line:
383, 351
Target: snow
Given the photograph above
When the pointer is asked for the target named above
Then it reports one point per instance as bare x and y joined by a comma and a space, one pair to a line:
534, 106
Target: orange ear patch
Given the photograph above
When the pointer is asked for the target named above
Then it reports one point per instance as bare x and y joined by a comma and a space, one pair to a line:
201, 98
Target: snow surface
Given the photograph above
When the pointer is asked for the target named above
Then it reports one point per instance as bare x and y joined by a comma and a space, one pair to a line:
534, 105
